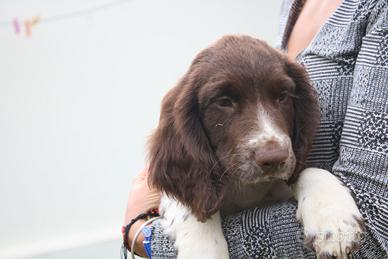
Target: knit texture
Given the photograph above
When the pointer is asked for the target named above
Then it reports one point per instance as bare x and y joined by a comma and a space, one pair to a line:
347, 63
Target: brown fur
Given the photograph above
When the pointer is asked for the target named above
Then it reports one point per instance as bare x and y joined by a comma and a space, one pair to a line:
194, 146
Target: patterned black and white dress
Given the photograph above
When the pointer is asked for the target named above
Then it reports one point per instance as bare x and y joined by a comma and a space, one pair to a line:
347, 62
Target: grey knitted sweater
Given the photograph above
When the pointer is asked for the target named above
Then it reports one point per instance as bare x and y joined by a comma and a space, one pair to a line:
347, 63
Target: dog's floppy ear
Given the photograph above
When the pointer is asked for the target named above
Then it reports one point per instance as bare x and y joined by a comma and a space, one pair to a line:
307, 115
182, 162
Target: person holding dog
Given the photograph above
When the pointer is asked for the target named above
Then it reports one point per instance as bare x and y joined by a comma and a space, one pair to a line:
343, 45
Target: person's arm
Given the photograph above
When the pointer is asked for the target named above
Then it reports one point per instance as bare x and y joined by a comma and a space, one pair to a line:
363, 163
269, 232
141, 198
138, 248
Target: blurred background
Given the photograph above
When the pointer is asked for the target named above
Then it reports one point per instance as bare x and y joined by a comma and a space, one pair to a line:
80, 90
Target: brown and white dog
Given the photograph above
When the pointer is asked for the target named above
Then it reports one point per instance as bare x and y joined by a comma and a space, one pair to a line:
234, 130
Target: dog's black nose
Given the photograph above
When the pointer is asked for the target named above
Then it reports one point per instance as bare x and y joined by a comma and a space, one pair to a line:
271, 157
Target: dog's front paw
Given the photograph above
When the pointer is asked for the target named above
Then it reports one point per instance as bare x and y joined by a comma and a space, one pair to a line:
332, 222
193, 239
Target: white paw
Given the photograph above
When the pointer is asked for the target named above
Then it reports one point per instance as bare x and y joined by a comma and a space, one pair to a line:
193, 239
332, 222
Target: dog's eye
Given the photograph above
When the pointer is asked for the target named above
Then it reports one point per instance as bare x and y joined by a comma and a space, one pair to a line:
224, 102
283, 97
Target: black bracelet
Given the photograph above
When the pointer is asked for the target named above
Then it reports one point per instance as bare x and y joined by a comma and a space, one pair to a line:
125, 229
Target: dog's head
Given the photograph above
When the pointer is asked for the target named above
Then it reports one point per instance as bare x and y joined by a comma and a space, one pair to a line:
243, 112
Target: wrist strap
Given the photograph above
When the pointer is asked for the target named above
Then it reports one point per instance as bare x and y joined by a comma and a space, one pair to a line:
125, 229
147, 246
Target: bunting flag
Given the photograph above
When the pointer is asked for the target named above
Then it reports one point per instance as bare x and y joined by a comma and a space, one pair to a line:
16, 26
29, 23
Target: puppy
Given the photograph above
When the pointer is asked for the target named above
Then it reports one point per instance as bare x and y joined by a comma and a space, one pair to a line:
235, 129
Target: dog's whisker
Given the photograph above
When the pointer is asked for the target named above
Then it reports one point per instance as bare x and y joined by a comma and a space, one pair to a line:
221, 159
230, 168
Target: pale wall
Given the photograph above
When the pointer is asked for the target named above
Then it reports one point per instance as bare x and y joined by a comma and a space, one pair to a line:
78, 99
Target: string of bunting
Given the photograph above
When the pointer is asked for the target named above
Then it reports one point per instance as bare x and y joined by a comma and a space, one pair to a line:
27, 24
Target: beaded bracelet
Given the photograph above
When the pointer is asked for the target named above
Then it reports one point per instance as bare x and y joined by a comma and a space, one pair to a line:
125, 229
